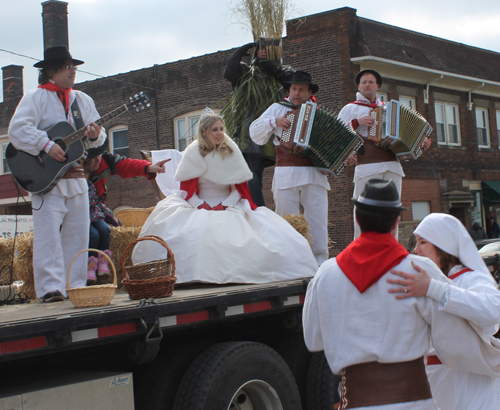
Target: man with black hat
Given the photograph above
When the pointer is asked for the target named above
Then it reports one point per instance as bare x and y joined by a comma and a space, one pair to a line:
376, 343
371, 161
61, 216
262, 82
296, 180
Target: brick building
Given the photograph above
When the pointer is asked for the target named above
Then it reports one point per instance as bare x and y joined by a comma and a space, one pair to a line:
455, 86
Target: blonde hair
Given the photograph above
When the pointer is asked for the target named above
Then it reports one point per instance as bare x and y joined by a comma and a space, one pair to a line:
206, 146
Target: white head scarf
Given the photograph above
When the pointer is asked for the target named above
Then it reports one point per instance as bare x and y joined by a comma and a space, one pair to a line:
449, 234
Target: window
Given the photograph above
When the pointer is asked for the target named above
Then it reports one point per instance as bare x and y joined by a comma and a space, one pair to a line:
420, 209
5, 167
382, 97
447, 124
185, 127
408, 101
498, 126
483, 137
119, 142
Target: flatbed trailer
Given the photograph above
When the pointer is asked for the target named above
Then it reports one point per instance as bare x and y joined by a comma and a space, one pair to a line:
240, 345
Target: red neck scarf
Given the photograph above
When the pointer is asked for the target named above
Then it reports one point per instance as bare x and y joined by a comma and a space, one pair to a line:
456, 275
369, 257
63, 94
366, 103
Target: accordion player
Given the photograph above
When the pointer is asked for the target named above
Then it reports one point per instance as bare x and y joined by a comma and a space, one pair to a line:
317, 134
400, 129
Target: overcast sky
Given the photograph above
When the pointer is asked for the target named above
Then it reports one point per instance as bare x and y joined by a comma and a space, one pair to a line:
117, 36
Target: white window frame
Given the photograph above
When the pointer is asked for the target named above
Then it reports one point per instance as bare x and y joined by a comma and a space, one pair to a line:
189, 118
483, 112
382, 97
4, 141
498, 126
445, 106
404, 99
111, 147
420, 209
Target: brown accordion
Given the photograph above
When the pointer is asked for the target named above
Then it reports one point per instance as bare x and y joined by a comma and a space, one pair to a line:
317, 134
399, 128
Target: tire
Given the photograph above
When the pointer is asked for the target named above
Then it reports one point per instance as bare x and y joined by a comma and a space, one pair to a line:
322, 384
238, 376
159, 381
293, 349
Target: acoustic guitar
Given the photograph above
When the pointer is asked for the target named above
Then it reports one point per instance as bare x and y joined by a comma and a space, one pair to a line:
40, 173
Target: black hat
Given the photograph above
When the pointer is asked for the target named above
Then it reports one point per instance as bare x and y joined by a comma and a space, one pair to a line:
56, 53
301, 77
95, 152
363, 72
379, 195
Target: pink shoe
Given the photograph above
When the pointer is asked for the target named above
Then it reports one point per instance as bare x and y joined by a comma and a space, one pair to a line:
103, 264
92, 267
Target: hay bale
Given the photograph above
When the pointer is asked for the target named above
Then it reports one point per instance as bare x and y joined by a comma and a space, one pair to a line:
23, 263
300, 224
6, 261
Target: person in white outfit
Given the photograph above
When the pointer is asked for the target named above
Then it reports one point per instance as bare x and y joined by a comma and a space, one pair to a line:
444, 239
216, 232
371, 161
61, 216
296, 181
377, 342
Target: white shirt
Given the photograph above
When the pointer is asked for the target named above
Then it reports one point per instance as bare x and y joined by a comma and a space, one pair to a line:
284, 177
39, 110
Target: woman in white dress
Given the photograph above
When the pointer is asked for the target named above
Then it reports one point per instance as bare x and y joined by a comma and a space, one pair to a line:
443, 239
216, 232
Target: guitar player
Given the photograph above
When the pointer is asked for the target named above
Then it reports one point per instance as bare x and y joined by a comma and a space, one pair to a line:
61, 216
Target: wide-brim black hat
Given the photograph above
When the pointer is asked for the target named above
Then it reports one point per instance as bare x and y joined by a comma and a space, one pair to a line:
56, 53
369, 71
301, 77
95, 152
379, 195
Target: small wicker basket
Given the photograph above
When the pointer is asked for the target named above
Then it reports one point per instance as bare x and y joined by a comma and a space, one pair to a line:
154, 279
133, 216
89, 296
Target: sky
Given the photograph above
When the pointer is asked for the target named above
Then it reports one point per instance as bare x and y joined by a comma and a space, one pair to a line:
118, 36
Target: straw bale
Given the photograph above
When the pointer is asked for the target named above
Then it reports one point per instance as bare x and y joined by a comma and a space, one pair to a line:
6, 260
23, 263
300, 224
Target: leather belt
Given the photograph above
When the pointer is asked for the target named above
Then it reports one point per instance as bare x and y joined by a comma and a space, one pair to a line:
375, 384
74, 172
370, 154
285, 158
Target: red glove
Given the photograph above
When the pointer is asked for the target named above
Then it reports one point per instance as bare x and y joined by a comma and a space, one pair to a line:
204, 205
219, 207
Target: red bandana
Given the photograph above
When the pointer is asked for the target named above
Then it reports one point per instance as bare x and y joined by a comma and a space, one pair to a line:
366, 103
63, 94
456, 275
369, 257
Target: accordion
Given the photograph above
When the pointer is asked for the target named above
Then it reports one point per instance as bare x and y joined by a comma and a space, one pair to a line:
399, 128
317, 134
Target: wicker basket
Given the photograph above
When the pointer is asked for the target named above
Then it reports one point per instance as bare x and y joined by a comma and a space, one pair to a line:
154, 279
89, 296
133, 216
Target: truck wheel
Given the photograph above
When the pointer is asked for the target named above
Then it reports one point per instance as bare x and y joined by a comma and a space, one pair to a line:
293, 349
159, 380
322, 384
238, 376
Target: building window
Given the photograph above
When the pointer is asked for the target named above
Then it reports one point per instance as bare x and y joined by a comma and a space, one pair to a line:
5, 167
408, 101
185, 127
483, 136
382, 97
119, 142
498, 126
420, 209
447, 124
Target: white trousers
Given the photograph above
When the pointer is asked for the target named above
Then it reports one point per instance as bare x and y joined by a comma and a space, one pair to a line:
314, 200
61, 230
359, 186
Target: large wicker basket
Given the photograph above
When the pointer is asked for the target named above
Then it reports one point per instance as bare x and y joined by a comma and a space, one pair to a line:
154, 279
133, 216
89, 296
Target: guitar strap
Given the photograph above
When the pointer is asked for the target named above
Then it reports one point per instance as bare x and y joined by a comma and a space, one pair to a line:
77, 116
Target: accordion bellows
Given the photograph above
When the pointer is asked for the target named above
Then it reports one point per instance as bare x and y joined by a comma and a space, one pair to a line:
399, 128
319, 135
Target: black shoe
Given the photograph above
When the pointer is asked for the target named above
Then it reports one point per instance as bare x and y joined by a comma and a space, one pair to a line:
54, 296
